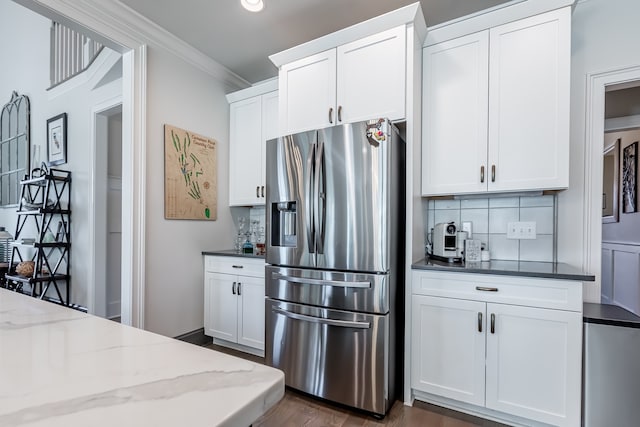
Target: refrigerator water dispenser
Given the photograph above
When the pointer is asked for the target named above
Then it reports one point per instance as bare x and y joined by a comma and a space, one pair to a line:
283, 232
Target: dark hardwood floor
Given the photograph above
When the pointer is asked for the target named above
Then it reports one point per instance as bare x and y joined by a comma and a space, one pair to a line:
298, 409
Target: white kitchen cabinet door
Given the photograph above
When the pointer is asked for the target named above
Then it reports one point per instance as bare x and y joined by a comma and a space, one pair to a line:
454, 114
209, 302
371, 75
533, 363
270, 126
224, 306
245, 156
308, 93
448, 348
270, 123
529, 103
251, 312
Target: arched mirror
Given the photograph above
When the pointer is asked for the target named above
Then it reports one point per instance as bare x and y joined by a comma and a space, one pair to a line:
14, 147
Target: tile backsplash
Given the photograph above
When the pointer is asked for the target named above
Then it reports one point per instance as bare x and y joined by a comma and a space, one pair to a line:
258, 213
489, 218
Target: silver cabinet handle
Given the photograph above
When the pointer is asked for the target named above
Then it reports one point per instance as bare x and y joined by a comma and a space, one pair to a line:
239, 285
306, 281
233, 288
340, 113
493, 323
262, 191
481, 173
479, 321
493, 173
331, 115
486, 289
237, 266
322, 320
258, 191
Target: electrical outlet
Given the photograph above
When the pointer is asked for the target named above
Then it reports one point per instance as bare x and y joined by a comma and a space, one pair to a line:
521, 230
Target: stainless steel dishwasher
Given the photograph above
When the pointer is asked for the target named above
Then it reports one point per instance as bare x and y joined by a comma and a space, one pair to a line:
611, 367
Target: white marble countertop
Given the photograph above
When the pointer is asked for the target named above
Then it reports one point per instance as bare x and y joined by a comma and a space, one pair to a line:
61, 367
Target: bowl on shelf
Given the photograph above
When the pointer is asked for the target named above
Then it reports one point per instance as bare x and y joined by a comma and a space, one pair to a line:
25, 268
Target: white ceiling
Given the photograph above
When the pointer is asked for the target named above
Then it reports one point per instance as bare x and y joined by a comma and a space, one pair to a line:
242, 41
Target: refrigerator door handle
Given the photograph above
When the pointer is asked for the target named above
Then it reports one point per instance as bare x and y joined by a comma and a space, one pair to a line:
311, 245
322, 320
337, 283
318, 196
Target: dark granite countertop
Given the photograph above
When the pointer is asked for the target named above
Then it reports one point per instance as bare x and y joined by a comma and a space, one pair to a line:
548, 270
607, 314
231, 252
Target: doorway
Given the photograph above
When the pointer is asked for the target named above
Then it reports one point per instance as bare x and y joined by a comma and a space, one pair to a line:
100, 24
620, 281
107, 211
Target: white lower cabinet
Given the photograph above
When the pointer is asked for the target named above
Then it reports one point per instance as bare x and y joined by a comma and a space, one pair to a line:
448, 352
534, 363
487, 348
234, 302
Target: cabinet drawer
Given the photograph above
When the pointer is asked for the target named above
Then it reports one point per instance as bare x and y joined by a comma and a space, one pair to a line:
525, 291
234, 265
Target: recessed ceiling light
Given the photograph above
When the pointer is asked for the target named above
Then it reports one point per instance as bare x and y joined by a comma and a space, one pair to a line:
252, 5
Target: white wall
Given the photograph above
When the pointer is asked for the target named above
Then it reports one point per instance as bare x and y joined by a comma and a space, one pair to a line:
25, 69
178, 94
25, 37
605, 36
182, 96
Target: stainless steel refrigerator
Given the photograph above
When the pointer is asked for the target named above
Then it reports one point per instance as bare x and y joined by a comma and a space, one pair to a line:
335, 251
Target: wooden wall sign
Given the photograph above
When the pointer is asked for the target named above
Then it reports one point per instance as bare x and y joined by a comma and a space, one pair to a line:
190, 171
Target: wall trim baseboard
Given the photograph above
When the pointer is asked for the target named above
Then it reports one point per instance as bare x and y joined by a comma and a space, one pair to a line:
196, 337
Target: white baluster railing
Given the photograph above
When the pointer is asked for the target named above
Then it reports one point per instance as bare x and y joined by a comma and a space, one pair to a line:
71, 53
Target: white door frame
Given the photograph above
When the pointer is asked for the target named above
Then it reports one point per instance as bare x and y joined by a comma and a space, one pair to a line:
597, 84
97, 291
93, 18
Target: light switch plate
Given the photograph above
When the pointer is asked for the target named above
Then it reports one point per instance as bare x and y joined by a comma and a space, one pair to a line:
521, 230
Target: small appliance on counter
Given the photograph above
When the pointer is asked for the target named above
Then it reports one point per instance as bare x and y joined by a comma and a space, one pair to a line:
444, 242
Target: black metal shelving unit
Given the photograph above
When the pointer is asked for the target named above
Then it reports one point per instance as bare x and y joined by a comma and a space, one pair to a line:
43, 235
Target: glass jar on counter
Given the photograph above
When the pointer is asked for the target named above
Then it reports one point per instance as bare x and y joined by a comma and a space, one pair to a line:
261, 248
247, 247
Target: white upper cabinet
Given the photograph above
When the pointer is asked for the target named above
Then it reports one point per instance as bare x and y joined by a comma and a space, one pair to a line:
308, 93
269, 116
529, 71
356, 81
371, 77
252, 121
245, 160
496, 108
455, 100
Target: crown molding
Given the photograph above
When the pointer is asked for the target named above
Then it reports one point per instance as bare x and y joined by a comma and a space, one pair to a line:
407, 15
117, 26
492, 17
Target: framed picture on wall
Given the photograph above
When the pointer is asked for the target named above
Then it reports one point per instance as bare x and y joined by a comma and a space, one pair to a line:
610, 177
629, 180
57, 140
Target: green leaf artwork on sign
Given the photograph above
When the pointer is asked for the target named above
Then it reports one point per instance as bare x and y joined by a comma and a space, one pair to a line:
190, 165
190, 175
